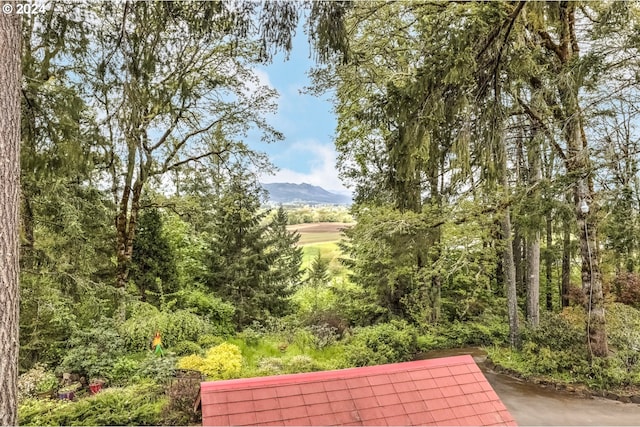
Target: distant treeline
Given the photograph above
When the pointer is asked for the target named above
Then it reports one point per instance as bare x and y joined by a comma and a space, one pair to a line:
305, 215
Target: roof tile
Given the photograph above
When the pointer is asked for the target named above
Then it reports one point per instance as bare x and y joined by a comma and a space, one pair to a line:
361, 392
343, 405
243, 419
346, 417
412, 407
420, 418
302, 421
447, 391
263, 393
371, 414
269, 416
435, 404
314, 398
266, 404
440, 415
453, 390
379, 379
404, 386
288, 390
440, 372
240, 396
399, 420
319, 409
290, 402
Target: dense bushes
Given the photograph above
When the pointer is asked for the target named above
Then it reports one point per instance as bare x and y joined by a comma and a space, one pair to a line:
557, 349
221, 362
176, 326
395, 341
92, 351
139, 404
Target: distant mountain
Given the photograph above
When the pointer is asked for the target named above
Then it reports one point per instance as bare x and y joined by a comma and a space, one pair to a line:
287, 193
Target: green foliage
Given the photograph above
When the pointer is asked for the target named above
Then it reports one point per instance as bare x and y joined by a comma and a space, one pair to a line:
252, 265
215, 311
221, 362
558, 333
125, 370
391, 342
486, 331
387, 250
153, 266
287, 365
624, 327
139, 404
158, 369
174, 326
92, 351
208, 341
36, 380
186, 347
307, 215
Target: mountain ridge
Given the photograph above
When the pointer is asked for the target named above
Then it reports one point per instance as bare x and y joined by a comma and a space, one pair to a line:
289, 193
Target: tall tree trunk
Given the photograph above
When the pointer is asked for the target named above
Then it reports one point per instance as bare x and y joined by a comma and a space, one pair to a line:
509, 269
533, 242
548, 258
517, 258
566, 263
10, 78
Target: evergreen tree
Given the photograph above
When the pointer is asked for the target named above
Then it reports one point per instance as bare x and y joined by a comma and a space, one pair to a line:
245, 265
287, 256
153, 262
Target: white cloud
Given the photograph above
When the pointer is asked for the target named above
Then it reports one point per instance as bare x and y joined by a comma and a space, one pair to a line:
322, 171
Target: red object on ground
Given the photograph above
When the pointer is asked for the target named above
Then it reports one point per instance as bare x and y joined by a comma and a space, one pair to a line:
95, 387
445, 391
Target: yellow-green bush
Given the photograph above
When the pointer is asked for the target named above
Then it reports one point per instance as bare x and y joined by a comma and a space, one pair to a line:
221, 362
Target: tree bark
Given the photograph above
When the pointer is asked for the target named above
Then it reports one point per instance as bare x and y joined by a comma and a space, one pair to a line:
533, 244
10, 76
509, 269
578, 166
566, 263
548, 258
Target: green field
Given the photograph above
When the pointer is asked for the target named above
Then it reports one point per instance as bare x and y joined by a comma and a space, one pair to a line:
321, 238
313, 238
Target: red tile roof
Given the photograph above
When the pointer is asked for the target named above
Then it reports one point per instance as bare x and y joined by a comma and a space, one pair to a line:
446, 391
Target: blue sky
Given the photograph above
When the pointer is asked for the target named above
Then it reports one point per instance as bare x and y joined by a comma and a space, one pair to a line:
307, 154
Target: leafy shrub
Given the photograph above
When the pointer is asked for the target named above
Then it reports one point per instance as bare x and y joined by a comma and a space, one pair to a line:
217, 312
158, 369
623, 327
174, 326
395, 341
301, 363
323, 335
208, 341
36, 380
123, 371
270, 366
92, 351
186, 347
221, 362
250, 335
557, 333
140, 404
626, 288
487, 330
